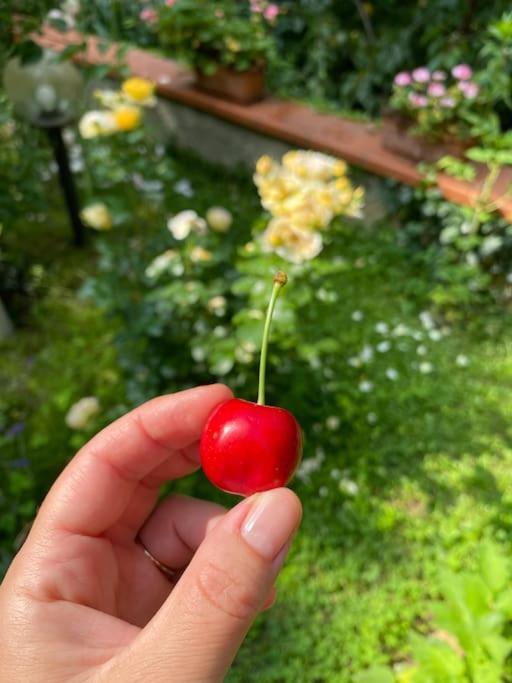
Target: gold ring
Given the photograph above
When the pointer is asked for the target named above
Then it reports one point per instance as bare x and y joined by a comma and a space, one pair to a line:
171, 574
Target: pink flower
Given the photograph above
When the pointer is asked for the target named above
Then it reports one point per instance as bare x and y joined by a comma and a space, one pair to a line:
421, 74
170, 3
149, 15
402, 79
462, 71
436, 90
418, 100
271, 13
439, 75
447, 102
469, 89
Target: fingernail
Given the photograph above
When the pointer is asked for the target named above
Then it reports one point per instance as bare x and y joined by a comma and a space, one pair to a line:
271, 523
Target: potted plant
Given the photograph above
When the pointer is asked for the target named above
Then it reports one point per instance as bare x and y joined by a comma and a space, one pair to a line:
434, 113
227, 42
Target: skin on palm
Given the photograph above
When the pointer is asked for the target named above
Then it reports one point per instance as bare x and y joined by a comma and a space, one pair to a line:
81, 600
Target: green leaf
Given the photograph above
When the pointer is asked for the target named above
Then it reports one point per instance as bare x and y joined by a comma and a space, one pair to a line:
494, 566
504, 603
28, 52
504, 158
480, 155
58, 24
377, 674
457, 168
71, 51
485, 671
103, 46
497, 647
437, 660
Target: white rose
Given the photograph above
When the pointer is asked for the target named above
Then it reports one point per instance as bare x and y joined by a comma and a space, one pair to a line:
160, 264
94, 123
491, 244
97, 216
182, 224
81, 412
217, 305
219, 218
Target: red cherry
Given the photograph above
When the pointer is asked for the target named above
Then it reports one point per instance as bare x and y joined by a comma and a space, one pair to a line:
246, 447
249, 447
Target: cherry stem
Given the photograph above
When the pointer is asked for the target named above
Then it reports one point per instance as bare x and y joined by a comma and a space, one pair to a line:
280, 279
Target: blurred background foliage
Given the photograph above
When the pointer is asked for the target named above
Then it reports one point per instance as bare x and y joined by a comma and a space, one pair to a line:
392, 347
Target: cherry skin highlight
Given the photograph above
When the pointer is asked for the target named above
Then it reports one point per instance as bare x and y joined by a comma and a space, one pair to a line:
246, 447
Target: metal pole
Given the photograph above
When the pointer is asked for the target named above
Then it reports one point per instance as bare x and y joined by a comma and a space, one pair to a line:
67, 183
6, 326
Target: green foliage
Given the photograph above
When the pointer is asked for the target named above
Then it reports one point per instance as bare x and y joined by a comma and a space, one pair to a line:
333, 54
496, 52
377, 674
469, 248
471, 642
403, 473
444, 109
221, 32
18, 19
24, 161
115, 20
347, 53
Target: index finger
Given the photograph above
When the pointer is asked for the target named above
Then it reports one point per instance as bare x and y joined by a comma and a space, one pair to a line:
97, 486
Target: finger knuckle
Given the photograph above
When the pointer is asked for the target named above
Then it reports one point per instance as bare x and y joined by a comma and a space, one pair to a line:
227, 592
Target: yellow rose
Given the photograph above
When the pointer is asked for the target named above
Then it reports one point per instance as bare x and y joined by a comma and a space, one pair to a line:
127, 118
339, 168
308, 188
342, 183
291, 242
139, 90
264, 165
312, 165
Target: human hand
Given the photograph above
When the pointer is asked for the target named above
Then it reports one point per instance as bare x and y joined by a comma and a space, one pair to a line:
83, 602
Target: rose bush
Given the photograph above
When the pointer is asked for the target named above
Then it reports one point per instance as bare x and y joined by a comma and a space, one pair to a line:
224, 32
205, 293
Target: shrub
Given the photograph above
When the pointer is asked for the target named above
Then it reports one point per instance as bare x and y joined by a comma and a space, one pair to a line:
223, 32
441, 105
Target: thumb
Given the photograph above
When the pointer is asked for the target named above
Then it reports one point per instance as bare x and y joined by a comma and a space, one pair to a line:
196, 634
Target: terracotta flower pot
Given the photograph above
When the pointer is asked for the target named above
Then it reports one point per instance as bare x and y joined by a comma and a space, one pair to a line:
244, 87
397, 138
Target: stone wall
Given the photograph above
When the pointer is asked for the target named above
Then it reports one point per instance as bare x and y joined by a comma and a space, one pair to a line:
212, 138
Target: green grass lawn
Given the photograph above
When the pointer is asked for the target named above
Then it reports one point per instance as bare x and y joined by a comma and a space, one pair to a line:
418, 471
